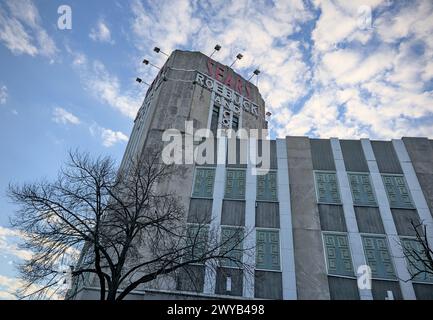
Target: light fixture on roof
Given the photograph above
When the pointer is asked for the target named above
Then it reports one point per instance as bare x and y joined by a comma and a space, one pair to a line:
146, 62
217, 48
255, 73
238, 57
158, 50
139, 80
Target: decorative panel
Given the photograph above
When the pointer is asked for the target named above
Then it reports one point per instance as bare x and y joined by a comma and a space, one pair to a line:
235, 184
267, 187
338, 254
267, 250
416, 259
362, 191
327, 187
397, 191
378, 257
231, 246
203, 184
196, 241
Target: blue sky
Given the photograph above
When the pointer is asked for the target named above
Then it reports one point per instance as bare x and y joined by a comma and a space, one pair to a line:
326, 72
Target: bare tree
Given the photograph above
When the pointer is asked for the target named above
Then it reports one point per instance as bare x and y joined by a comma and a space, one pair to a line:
418, 253
126, 229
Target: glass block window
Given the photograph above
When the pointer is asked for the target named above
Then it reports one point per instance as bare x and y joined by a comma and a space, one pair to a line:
338, 254
267, 249
397, 191
203, 183
231, 246
327, 187
415, 255
214, 120
196, 241
235, 122
362, 191
267, 187
378, 257
235, 184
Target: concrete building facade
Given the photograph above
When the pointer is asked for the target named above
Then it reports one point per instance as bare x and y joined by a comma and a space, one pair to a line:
325, 209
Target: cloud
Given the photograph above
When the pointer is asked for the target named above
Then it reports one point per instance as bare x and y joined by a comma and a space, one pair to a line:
62, 116
108, 136
101, 33
105, 86
9, 287
21, 31
3, 94
8, 244
323, 72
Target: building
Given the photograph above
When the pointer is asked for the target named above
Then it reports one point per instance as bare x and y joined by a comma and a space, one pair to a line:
325, 208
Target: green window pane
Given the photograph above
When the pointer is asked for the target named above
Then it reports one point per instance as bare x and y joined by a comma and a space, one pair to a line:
267, 187
378, 257
338, 254
327, 187
235, 184
362, 192
196, 241
416, 260
397, 191
203, 184
267, 250
231, 246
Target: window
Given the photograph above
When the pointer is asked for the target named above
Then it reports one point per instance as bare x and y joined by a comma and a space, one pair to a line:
235, 184
267, 187
338, 254
327, 187
203, 183
362, 192
231, 246
235, 122
378, 258
415, 255
397, 191
214, 120
267, 250
196, 241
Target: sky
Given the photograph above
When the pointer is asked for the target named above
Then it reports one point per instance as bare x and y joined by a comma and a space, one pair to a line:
347, 69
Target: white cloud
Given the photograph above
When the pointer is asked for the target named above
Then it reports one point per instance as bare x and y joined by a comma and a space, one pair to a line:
8, 245
368, 83
62, 116
109, 137
3, 94
105, 86
21, 30
101, 33
259, 30
9, 288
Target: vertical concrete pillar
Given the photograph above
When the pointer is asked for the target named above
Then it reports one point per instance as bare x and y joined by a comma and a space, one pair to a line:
414, 188
310, 265
388, 223
249, 257
218, 196
353, 234
286, 234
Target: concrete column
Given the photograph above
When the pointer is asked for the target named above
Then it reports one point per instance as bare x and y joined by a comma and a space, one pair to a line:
218, 196
414, 187
388, 223
286, 233
249, 256
354, 236
310, 264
